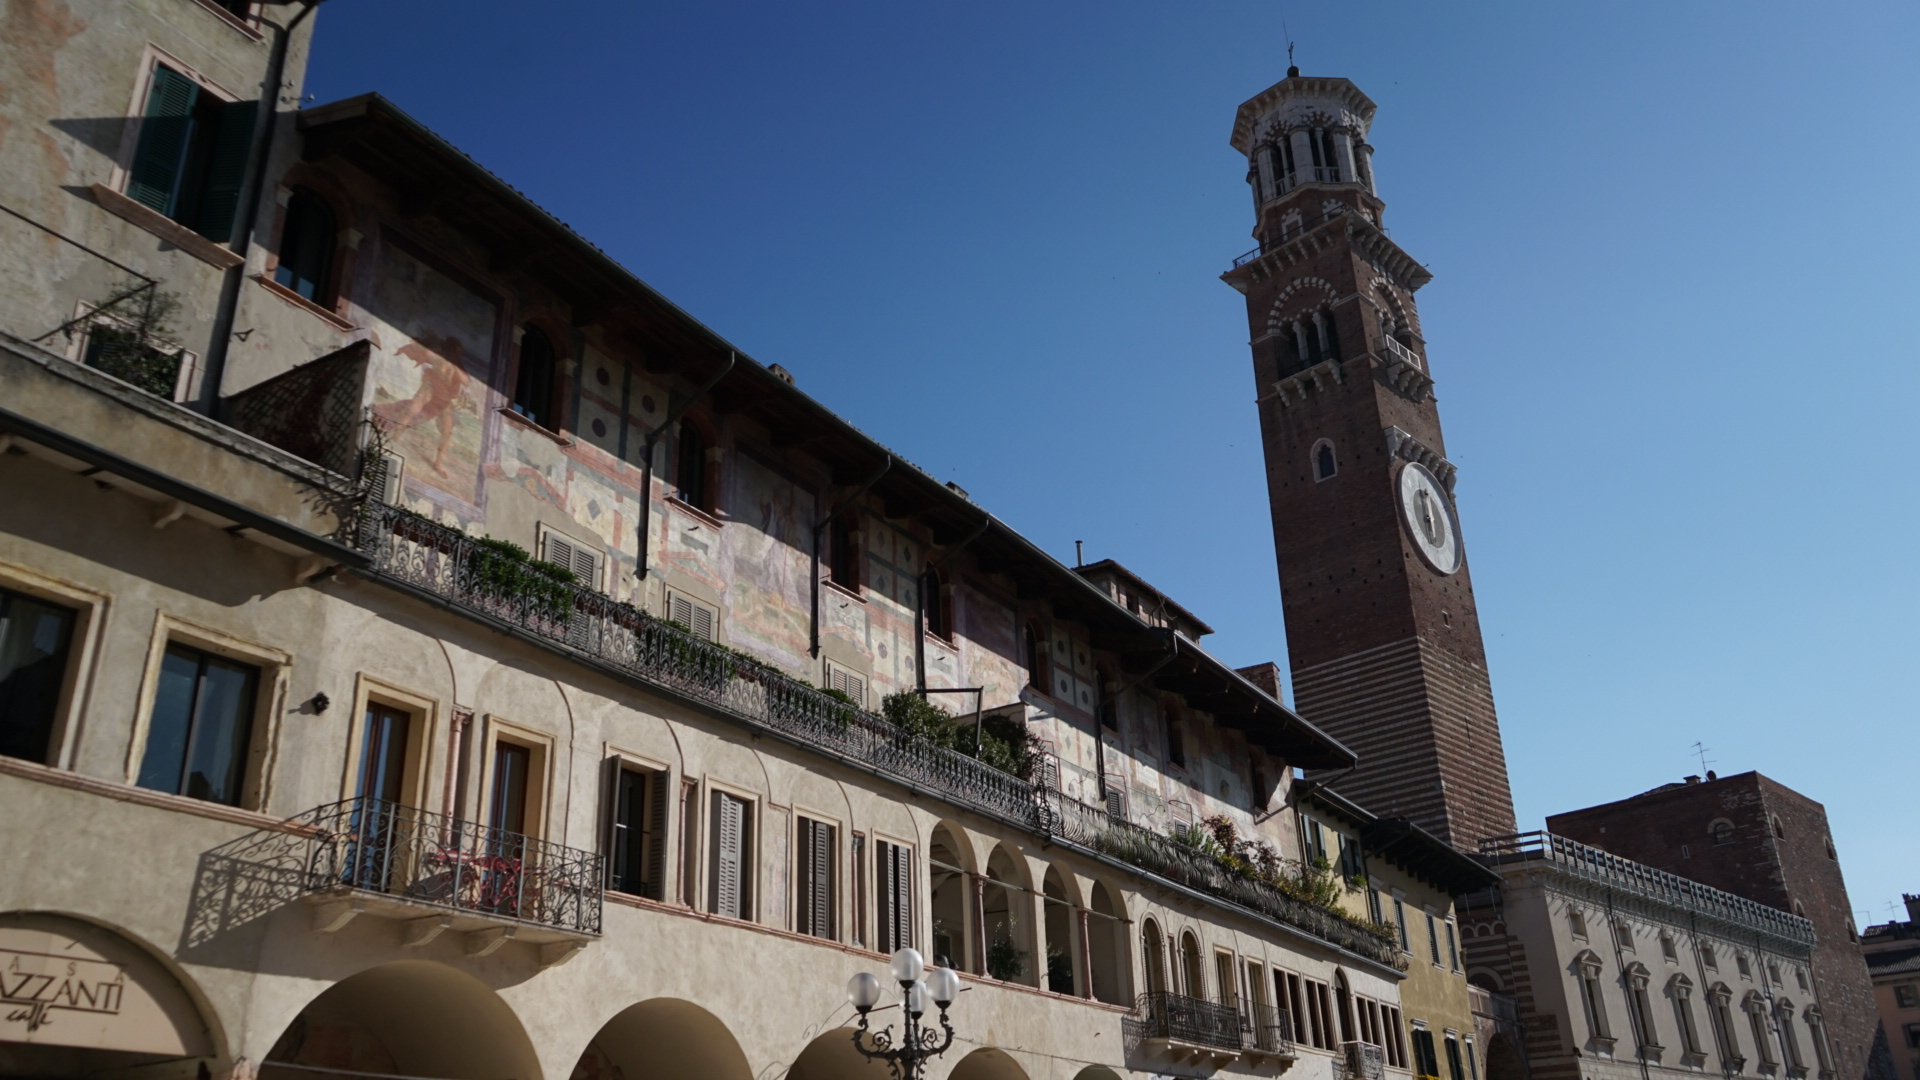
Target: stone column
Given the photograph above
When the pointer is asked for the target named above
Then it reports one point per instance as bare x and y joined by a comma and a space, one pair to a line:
1267, 172
1365, 162
1300, 341
1302, 140
1086, 954
1343, 146
979, 921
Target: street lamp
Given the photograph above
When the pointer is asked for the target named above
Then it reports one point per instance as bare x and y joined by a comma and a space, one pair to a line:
917, 1042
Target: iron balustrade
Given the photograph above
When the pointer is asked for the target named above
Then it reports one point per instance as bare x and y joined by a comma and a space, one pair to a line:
1327, 174
1269, 1030
1400, 352
1364, 1060
1190, 1020
447, 563
383, 847
1592, 865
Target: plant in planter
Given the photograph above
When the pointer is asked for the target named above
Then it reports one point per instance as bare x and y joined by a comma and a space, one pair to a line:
1005, 960
502, 570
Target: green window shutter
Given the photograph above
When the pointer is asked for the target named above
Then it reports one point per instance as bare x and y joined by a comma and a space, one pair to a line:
164, 133
226, 170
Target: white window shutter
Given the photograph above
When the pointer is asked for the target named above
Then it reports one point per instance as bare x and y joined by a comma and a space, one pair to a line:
702, 624
680, 610
728, 840
558, 550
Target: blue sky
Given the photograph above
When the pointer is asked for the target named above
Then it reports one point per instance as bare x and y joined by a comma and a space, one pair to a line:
1671, 322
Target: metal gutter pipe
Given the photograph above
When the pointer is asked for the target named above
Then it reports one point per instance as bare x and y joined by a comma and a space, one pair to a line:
644, 539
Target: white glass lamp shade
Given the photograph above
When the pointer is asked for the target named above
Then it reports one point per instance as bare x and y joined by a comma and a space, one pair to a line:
907, 966
917, 999
863, 990
943, 984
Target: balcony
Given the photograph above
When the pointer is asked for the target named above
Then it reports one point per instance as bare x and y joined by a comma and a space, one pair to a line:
1397, 352
432, 873
1364, 1061
1192, 1027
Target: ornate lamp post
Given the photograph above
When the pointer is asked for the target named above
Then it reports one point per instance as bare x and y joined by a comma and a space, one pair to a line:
918, 1042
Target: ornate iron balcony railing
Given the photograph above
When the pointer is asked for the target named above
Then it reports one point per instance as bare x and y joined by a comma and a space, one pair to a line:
1189, 1020
1597, 867
382, 847
447, 563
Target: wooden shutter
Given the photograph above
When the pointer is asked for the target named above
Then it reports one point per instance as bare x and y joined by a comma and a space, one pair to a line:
893, 866
729, 837
816, 878
857, 924
583, 561
655, 883
803, 883
698, 618
702, 623
848, 683
165, 131
614, 781
226, 169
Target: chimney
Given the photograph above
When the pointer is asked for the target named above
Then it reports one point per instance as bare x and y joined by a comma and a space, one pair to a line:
1693, 779
1913, 907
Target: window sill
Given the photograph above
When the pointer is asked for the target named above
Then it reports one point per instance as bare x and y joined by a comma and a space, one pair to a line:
507, 411
851, 594
304, 304
165, 228
160, 800
231, 19
695, 512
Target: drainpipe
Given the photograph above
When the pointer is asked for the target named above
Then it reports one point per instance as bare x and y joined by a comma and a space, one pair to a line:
813, 645
264, 128
644, 540
920, 607
1099, 740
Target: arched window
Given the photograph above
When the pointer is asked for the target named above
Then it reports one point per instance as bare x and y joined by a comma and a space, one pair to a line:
690, 467
306, 248
533, 387
1325, 465
1153, 957
1343, 1005
1036, 646
1193, 975
1722, 830
1779, 829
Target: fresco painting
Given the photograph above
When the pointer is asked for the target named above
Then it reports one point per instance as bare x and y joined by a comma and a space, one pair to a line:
434, 346
770, 564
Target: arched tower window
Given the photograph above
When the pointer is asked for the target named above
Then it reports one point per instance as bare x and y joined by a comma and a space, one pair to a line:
1325, 465
533, 394
306, 248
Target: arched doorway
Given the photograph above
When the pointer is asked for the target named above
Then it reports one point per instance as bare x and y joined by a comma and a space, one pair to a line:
947, 886
1153, 957
1105, 940
1503, 1060
83, 1000
407, 1018
1096, 1072
1193, 976
988, 1063
666, 1039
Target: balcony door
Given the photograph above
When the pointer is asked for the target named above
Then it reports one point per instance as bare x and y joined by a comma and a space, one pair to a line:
379, 794
383, 754
512, 767
504, 854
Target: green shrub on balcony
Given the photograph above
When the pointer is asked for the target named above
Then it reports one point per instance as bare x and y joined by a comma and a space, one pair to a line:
502, 570
1003, 743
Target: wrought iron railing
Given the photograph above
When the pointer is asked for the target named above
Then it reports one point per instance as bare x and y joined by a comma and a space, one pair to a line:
383, 847
1269, 1030
1590, 864
1189, 1020
449, 564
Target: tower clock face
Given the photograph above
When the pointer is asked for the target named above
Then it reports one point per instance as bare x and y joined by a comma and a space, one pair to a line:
1429, 516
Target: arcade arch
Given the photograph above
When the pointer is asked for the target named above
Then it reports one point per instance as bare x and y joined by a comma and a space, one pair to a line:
670, 1039
408, 1018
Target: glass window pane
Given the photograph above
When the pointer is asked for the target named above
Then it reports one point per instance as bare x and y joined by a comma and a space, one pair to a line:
221, 726
172, 721
33, 657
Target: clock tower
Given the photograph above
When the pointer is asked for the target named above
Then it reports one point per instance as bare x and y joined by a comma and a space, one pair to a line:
1382, 632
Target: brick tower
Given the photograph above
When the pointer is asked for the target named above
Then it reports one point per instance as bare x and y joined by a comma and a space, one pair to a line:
1381, 627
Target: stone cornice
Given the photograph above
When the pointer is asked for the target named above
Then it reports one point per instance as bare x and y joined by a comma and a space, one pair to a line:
1340, 90
1402, 445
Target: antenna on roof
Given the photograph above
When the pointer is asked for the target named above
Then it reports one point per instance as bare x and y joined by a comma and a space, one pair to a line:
1700, 751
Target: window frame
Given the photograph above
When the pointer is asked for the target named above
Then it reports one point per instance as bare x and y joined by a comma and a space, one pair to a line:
540, 785
83, 645
835, 874
664, 831
1314, 453
326, 287
423, 737
120, 178
270, 695
710, 793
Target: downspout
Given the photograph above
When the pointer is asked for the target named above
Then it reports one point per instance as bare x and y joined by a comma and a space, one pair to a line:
813, 642
920, 608
644, 540
1099, 741
236, 276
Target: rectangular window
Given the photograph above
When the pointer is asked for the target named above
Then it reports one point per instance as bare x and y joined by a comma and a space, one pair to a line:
893, 897
1223, 973
1433, 939
1400, 923
1453, 947
1473, 1065
1426, 1062
564, 551
848, 683
638, 862
843, 551
689, 839
1353, 862
1287, 987
192, 154
729, 860
1396, 1044
1623, 936
1913, 1036
202, 723
1375, 909
34, 636
815, 902
696, 617
1907, 995
384, 743
1454, 1069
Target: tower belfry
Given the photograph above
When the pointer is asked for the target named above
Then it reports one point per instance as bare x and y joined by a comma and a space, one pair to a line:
1382, 631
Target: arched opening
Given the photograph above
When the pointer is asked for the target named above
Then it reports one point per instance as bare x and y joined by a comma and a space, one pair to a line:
1006, 921
1324, 463
1153, 957
988, 1063
668, 1039
1343, 1005
831, 1056
1105, 960
82, 1001
947, 875
533, 387
1061, 948
407, 1018
1193, 976
1096, 1072
1503, 1061
306, 248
